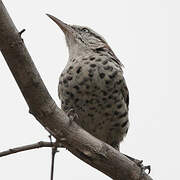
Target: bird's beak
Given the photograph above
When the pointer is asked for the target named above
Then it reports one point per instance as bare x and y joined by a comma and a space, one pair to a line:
64, 27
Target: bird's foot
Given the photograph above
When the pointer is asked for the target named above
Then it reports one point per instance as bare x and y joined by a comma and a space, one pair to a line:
72, 115
143, 168
140, 164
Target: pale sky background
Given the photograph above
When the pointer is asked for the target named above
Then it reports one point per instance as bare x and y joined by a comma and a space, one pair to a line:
145, 36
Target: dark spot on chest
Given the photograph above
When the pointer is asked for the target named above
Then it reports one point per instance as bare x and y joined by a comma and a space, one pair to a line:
79, 70
107, 82
102, 75
116, 125
91, 115
124, 124
119, 106
71, 95
90, 75
123, 115
98, 60
87, 86
115, 91
116, 113
87, 62
113, 75
110, 68
104, 93
69, 69
76, 87
119, 82
96, 87
104, 99
65, 108
69, 78
76, 100
67, 92
92, 58
106, 114
65, 81
126, 131
105, 62
93, 65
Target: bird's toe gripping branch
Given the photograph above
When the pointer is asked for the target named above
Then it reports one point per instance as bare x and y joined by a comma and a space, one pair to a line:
72, 115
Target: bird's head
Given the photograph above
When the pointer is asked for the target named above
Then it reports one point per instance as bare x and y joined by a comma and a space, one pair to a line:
82, 38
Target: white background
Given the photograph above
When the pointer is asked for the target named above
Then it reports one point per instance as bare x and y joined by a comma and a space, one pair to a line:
145, 36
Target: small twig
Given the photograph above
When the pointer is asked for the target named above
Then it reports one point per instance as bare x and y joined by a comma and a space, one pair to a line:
54, 151
29, 147
20, 33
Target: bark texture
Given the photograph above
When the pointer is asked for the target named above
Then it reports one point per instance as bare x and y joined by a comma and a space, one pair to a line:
83, 145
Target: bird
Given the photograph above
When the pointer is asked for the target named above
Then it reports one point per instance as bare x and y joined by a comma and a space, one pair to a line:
93, 85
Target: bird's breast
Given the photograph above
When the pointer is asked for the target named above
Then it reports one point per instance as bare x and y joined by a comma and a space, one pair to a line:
92, 87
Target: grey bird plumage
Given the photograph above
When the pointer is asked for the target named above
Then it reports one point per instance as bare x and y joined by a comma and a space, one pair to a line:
92, 84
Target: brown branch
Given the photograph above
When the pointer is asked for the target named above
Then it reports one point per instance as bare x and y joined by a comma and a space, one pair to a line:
27, 147
83, 145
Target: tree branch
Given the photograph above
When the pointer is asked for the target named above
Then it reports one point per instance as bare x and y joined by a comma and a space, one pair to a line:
27, 147
83, 145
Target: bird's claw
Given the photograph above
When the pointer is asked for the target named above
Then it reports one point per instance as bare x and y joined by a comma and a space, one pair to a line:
139, 163
72, 115
143, 168
148, 168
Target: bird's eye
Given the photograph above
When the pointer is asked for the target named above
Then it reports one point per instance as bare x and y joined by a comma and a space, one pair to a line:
85, 30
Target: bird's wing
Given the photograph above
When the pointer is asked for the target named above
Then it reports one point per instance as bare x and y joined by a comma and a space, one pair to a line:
125, 93
124, 88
